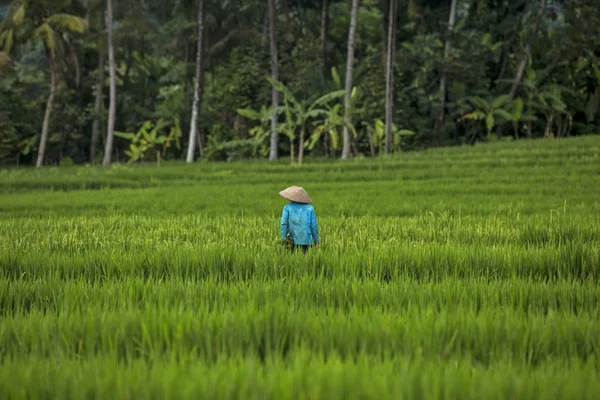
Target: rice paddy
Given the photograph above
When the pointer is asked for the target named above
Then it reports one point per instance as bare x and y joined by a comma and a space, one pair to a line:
462, 273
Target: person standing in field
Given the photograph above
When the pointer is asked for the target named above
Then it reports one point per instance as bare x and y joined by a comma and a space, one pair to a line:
298, 221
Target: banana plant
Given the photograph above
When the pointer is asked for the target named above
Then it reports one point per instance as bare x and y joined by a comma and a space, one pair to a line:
549, 102
518, 114
298, 113
148, 138
331, 124
377, 135
489, 110
540, 96
546, 99
261, 131
26, 146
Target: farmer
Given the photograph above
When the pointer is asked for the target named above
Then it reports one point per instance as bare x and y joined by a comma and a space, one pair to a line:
298, 221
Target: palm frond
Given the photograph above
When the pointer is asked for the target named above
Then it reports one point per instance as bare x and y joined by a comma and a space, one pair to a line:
505, 114
17, 12
474, 115
328, 97
316, 113
67, 22
50, 37
500, 101
287, 93
479, 102
249, 113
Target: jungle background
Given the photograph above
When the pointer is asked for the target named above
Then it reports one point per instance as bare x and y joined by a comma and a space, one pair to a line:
462, 71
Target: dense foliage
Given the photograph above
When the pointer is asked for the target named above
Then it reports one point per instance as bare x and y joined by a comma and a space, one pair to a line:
155, 54
451, 273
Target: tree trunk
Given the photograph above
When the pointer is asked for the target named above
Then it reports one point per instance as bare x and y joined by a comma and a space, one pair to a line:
520, 71
197, 87
97, 106
354, 147
273, 154
199, 138
371, 145
324, 21
112, 109
385, 31
301, 146
49, 104
549, 122
349, 69
444, 77
188, 87
389, 86
527, 53
75, 60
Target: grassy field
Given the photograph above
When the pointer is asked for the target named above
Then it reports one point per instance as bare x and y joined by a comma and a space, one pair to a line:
459, 273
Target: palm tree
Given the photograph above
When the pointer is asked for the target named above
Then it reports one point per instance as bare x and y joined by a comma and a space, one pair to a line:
197, 85
389, 87
444, 76
275, 76
99, 10
222, 25
349, 68
44, 23
112, 108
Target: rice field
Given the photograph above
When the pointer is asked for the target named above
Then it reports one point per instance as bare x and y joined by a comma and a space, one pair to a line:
458, 273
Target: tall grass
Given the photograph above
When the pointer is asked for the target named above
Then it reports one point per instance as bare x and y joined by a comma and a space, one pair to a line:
455, 273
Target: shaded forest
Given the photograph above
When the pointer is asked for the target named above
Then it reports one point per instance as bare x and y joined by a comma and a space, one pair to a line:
102, 81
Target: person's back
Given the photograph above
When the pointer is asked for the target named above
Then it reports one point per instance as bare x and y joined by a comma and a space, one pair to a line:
299, 223
298, 220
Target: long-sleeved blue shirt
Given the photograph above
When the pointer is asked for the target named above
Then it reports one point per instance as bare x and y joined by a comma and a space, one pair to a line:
299, 222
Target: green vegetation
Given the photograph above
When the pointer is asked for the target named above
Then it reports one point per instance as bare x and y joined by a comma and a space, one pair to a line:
454, 72
454, 273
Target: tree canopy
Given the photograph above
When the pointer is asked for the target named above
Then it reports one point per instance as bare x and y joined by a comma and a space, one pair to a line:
514, 69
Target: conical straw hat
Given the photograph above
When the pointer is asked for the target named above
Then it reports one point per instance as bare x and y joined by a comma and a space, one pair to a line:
297, 194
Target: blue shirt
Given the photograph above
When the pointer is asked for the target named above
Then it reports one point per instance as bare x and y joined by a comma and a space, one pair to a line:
298, 222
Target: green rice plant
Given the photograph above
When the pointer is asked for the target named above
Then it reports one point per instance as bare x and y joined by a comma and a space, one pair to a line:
451, 273
304, 376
